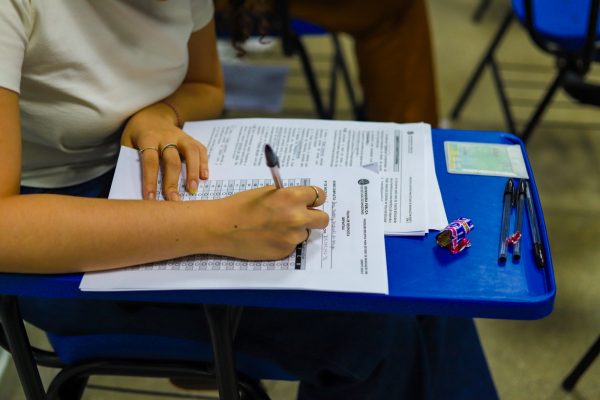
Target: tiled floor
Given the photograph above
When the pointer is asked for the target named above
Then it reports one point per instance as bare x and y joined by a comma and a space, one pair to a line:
528, 358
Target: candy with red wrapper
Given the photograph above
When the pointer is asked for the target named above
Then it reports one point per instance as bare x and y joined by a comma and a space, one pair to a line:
454, 236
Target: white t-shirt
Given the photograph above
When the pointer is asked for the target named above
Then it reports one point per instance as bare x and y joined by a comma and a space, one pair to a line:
82, 67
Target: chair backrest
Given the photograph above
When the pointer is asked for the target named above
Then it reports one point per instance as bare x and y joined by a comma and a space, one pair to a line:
566, 28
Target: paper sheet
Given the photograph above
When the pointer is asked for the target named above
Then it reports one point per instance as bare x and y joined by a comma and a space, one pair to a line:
349, 255
410, 194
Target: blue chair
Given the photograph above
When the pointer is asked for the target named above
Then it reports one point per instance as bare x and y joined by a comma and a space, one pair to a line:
567, 30
79, 357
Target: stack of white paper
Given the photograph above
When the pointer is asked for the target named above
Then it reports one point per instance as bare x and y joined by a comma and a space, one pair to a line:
403, 154
348, 255
387, 185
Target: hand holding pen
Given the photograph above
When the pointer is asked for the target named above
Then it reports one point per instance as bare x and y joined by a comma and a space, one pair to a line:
262, 223
272, 162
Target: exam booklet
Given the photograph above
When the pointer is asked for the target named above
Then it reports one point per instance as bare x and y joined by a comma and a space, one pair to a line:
403, 154
347, 256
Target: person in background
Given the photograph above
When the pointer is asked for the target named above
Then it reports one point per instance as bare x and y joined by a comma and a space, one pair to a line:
392, 45
393, 50
79, 78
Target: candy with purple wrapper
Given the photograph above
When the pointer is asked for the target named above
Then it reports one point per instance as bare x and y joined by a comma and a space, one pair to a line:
454, 236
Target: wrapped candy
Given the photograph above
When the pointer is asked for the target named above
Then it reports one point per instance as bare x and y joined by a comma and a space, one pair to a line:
454, 236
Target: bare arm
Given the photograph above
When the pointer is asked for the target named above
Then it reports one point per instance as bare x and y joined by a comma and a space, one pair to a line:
56, 233
49, 233
52, 234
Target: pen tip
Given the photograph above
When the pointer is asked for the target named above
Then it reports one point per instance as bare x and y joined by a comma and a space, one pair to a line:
271, 157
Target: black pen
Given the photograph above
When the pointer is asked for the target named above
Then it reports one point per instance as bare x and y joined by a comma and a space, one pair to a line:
520, 200
273, 164
507, 201
538, 247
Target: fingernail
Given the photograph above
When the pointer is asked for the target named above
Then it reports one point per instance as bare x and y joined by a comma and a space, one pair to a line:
174, 196
193, 186
204, 173
151, 196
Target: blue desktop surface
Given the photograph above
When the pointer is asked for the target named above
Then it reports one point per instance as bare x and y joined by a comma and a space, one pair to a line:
423, 278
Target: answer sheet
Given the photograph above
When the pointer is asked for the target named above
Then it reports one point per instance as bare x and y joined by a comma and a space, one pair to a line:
347, 256
411, 203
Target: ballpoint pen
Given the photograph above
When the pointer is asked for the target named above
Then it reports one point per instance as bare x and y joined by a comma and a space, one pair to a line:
538, 247
273, 164
520, 200
504, 224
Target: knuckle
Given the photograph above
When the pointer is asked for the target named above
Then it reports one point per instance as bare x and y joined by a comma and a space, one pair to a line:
172, 162
295, 218
290, 195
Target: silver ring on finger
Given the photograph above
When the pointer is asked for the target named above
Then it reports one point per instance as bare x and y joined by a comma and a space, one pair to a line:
314, 203
141, 151
167, 146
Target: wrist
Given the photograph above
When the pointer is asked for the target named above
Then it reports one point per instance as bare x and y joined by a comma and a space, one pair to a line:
205, 225
157, 112
176, 114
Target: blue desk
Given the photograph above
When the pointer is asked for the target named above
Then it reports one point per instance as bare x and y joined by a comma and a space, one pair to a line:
424, 279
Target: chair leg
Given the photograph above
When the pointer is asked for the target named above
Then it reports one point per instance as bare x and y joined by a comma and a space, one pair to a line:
343, 68
20, 348
480, 10
571, 380
311, 79
71, 389
220, 318
252, 391
508, 117
487, 57
333, 80
542, 105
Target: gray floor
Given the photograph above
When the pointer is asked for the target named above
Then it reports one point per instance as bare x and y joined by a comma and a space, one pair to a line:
528, 358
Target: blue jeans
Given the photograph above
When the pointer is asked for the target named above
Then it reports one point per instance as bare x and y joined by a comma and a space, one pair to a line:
336, 355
